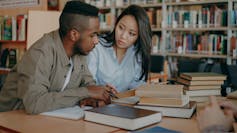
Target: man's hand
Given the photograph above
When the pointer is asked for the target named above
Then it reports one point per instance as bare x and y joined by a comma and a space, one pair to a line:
213, 115
99, 93
228, 105
112, 88
91, 102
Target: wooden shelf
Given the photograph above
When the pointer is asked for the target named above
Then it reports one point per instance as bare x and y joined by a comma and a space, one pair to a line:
198, 29
109, 29
192, 55
196, 2
142, 5
9, 41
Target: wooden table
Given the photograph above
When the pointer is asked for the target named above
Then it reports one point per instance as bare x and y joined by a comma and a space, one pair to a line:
19, 121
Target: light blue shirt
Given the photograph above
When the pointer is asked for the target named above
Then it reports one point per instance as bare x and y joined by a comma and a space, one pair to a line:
105, 68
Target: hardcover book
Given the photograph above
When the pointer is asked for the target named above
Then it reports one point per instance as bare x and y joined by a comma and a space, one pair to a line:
124, 117
199, 82
201, 87
160, 91
168, 102
203, 76
203, 92
179, 112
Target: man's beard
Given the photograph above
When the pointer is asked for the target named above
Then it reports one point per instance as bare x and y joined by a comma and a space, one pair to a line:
77, 49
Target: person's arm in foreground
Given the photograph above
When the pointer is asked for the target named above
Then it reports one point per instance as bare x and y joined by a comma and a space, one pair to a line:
213, 119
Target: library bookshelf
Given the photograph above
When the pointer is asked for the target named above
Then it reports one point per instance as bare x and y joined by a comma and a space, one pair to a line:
13, 22
214, 30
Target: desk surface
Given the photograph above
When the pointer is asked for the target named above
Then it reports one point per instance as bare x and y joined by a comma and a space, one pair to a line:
19, 121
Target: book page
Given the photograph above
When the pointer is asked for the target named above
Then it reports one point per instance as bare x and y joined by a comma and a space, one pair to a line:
73, 113
127, 100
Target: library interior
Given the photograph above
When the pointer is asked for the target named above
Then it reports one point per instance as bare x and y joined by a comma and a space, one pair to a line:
189, 70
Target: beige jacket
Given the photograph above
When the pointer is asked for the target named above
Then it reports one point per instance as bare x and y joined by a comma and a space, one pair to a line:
35, 83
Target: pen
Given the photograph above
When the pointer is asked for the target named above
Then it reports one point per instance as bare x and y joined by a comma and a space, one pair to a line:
113, 95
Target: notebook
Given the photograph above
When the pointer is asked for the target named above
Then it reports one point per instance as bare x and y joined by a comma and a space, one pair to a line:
156, 129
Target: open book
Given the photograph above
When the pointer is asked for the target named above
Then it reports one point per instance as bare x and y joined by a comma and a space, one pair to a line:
73, 113
127, 100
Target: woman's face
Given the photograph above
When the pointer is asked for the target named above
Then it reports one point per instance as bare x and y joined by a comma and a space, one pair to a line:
126, 32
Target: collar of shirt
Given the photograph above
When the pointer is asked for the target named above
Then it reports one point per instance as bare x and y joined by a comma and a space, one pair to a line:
59, 45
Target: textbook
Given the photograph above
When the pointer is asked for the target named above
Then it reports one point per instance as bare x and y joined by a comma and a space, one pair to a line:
201, 87
161, 91
73, 113
124, 117
168, 102
179, 112
199, 82
203, 76
156, 129
211, 92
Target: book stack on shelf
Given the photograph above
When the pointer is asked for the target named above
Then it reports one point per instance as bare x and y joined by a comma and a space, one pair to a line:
13, 28
198, 86
168, 99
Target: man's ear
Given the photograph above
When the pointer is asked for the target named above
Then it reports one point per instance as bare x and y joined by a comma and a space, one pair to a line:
74, 35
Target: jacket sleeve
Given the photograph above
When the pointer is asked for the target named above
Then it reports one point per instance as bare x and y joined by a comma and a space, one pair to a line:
33, 84
87, 77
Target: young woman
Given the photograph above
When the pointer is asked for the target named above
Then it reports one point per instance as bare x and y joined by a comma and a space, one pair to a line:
121, 59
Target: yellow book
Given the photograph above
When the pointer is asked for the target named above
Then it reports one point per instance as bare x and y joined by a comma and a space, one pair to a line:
203, 76
199, 82
167, 102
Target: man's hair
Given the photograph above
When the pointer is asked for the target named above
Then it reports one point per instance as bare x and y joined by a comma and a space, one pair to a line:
76, 15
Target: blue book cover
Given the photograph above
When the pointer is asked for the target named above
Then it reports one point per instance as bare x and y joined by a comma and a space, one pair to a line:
156, 129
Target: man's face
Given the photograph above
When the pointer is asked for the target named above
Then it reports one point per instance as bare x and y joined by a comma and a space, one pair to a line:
88, 38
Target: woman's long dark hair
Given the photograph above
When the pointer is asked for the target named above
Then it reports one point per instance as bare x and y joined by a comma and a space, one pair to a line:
143, 43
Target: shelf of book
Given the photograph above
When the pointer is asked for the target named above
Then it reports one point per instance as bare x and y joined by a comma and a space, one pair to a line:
13, 41
142, 5
10, 41
214, 25
201, 2
198, 29
192, 55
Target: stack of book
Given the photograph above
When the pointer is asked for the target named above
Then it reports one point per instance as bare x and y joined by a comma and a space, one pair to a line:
168, 99
198, 86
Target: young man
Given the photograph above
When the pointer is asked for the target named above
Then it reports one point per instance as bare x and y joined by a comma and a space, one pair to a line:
53, 73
